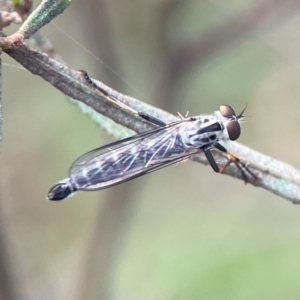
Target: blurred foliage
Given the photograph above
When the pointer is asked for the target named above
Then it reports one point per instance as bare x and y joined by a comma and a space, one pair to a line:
180, 233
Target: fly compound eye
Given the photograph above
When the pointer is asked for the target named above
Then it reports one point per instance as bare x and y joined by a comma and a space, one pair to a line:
226, 111
233, 129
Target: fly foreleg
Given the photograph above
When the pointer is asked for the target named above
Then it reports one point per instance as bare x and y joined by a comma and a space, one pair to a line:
211, 159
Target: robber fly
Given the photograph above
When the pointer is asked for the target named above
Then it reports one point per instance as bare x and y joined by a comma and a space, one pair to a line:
152, 150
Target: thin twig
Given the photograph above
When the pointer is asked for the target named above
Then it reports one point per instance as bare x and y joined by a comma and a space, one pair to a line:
273, 175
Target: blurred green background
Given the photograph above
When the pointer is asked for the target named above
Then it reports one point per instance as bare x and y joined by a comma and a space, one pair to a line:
183, 232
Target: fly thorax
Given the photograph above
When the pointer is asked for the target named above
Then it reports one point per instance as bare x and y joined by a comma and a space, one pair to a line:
205, 130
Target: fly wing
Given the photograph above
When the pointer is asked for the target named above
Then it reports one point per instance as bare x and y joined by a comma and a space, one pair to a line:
130, 158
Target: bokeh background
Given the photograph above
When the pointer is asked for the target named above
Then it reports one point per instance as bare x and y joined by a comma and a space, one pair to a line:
180, 233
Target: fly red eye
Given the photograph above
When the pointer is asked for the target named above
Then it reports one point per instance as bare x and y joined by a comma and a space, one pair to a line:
233, 129
226, 111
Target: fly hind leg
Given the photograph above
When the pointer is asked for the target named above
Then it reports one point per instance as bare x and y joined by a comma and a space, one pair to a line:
116, 101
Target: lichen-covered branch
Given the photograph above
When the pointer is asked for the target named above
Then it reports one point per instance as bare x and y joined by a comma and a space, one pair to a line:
272, 174
42, 15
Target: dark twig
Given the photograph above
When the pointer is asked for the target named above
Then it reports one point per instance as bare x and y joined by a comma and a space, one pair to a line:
6, 274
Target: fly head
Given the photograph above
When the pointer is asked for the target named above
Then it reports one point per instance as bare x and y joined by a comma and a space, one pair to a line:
232, 125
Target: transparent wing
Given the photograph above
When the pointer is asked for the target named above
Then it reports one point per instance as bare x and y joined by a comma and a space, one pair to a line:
130, 158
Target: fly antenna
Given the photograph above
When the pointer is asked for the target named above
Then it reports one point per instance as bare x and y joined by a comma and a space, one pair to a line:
241, 114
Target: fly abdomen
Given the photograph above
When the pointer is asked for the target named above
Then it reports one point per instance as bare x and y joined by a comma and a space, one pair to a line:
61, 190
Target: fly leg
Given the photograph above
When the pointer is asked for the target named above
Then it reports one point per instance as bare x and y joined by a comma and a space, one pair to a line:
113, 99
233, 159
211, 159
